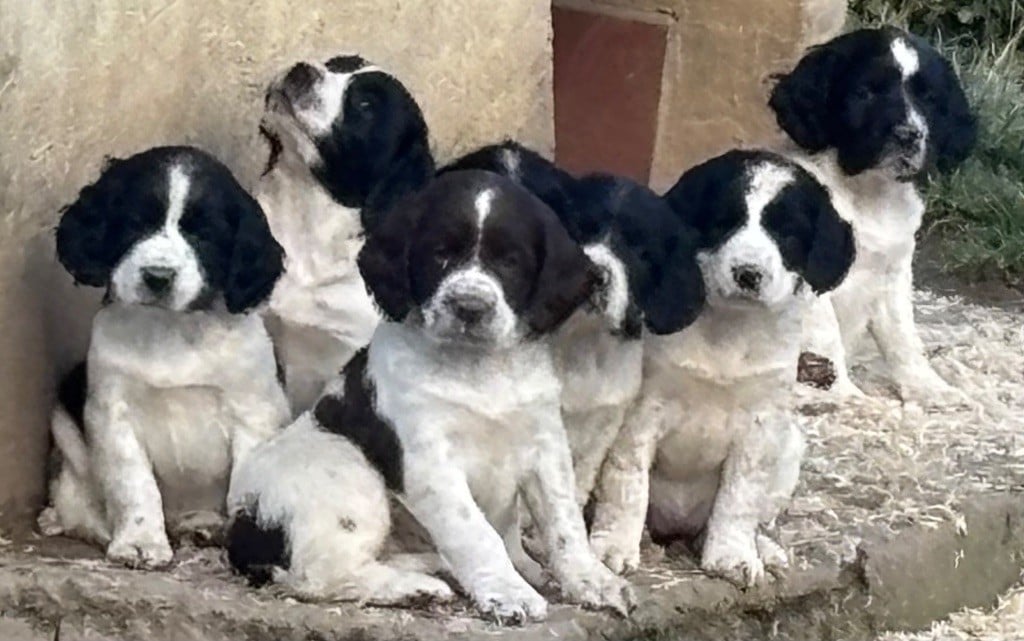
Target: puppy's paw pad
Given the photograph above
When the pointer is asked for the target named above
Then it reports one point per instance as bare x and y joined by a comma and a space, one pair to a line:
772, 554
140, 553
742, 567
513, 604
600, 589
49, 523
614, 556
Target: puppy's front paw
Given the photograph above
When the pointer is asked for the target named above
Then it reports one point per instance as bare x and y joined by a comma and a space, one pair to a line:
618, 557
49, 522
598, 588
929, 390
140, 550
737, 562
510, 602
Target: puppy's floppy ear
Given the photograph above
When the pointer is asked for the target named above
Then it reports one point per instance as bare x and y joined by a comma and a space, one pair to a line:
671, 293
565, 280
952, 127
384, 259
833, 249
708, 200
800, 98
257, 260
411, 171
95, 231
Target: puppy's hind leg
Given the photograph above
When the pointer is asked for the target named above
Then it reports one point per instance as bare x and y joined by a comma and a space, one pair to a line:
386, 585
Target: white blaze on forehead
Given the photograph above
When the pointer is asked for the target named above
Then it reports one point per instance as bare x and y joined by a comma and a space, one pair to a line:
510, 158
177, 192
905, 56
483, 207
766, 181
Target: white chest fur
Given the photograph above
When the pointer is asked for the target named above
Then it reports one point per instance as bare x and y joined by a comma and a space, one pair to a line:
181, 383
714, 377
595, 368
482, 404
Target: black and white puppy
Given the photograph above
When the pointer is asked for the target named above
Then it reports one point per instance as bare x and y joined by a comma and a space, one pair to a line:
871, 111
650, 279
454, 406
346, 141
710, 445
180, 381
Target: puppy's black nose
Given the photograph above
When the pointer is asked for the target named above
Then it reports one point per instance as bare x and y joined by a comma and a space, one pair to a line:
300, 79
747, 277
158, 280
470, 310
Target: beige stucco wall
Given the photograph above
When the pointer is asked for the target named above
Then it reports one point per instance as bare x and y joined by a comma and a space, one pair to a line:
80, 79
718, 59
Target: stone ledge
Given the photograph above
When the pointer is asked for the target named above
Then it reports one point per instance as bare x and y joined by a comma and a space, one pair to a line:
902, 581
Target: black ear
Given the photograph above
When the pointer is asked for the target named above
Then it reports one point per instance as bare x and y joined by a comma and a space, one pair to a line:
384, 259
410, 172
708, 198
952, 126
257, 260
566, 278
671, 294
97, 229
832, 249
800, 98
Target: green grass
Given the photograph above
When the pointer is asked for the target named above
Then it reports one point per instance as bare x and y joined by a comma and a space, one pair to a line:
977, 212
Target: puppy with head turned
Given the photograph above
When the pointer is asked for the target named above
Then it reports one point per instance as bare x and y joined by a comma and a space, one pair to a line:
870, 113
709, 450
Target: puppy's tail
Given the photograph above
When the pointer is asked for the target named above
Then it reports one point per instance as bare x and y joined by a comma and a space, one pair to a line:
256, 549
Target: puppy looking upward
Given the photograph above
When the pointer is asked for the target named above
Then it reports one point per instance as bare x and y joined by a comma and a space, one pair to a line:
710, 445
180, 379
650, 279
347, 140
871, 112
454, 406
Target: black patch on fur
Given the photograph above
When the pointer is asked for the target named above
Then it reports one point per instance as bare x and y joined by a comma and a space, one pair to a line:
377, 150
254, 550
355, 417
848, 94
813, 239
544, 274
274, 151
225, 226
72, 392
710, 197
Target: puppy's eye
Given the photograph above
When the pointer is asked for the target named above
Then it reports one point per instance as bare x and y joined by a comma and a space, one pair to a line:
864, 93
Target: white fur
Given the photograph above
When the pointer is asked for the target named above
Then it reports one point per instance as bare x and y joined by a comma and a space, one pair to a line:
479, 429
168, 249
334, 508
876, 297
906, 58
471, 282
599, 372
175, 401
709, 440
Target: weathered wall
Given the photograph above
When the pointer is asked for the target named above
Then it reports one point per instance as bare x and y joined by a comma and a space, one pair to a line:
718, 60
80, 79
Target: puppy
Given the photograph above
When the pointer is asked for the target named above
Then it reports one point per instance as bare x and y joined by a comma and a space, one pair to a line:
710, 444
453, 406
650, 278
180, 379
346, 140
871, 112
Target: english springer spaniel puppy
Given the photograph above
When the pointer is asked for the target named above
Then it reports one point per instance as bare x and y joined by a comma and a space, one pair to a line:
180, 380
346, 141
871, 112
710, 445
454, 406
650, 278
